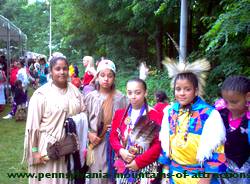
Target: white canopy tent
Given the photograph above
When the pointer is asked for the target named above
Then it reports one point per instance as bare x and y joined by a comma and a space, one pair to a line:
9, 32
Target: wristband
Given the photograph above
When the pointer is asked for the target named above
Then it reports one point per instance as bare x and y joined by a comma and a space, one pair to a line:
34, 149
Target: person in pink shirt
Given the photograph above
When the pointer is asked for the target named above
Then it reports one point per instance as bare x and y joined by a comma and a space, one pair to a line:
235, 113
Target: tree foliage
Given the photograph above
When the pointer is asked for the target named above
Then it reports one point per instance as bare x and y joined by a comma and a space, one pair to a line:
130, 31
33, 19
226, 43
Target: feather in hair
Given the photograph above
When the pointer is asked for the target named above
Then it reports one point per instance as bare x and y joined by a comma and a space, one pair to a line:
198, 68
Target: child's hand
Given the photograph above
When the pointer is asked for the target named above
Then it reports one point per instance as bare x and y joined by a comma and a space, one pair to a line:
126, 156
93, 138
38, 159
132, 166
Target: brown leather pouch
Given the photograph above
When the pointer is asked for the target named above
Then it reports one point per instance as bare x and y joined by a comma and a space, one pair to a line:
64, 147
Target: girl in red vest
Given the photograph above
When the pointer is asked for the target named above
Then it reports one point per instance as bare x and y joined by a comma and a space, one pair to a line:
134, 136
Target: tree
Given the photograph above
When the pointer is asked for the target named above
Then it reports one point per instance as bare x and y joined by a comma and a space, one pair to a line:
227, 43
20, 13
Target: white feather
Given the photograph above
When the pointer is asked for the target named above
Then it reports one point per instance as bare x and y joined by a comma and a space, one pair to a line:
164, 135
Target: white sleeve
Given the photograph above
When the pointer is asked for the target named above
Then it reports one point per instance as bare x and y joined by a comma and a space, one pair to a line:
213, 135
164, 132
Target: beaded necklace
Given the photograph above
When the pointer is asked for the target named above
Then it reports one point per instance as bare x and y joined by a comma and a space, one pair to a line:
180, 113
175, 123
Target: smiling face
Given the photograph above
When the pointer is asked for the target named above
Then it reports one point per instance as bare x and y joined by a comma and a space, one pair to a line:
136, 94
106, 79
184, 91
60, 73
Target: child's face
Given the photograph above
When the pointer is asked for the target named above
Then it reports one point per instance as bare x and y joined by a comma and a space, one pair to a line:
136, 94
235, 101
42, 62
15, 63
19, 65
184, 91
60, 72
106, 78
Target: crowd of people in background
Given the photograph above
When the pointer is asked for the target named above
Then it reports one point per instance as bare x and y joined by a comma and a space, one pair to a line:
34, 73
123, 133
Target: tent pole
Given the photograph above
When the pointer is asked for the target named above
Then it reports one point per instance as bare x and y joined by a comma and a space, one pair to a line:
8, 59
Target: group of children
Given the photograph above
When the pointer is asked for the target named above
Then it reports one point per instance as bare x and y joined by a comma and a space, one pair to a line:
194, 137
179, 140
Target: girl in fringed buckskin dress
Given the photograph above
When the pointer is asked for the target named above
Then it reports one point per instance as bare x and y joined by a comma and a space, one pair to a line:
101, 105
48, 108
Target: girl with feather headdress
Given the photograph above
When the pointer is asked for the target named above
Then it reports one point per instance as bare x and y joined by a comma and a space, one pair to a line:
192, 132
134, 137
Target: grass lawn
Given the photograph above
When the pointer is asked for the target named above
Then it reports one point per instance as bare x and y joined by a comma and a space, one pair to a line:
11, 149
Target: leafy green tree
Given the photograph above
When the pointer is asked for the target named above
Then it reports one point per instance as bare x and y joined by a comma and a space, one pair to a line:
227, 44
32, 19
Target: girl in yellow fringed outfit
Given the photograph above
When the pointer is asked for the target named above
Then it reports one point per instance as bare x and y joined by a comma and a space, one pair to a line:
192, 132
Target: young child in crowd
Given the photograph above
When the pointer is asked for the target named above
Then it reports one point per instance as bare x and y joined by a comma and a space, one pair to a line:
43, 71
192, 132
76, 81
161, 101
20, 98
35, 72
134, 135
236, 94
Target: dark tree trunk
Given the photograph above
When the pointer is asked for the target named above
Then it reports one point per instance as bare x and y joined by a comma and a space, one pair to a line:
169, 42
145, 47
159, 44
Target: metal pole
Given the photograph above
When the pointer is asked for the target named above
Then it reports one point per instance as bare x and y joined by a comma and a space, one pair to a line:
50, 28
183, 31
8, 59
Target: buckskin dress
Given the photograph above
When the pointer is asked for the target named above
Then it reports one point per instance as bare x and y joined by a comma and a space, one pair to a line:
48, 108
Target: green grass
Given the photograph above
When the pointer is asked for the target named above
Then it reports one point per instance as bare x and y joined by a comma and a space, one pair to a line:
11, 149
